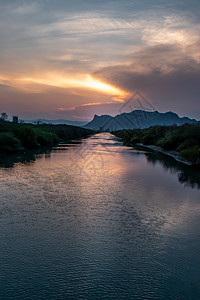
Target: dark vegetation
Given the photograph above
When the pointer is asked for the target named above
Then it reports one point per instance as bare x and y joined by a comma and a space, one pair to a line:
185, 139
16, 136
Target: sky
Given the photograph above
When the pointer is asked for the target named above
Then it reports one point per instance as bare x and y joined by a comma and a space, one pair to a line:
72, 59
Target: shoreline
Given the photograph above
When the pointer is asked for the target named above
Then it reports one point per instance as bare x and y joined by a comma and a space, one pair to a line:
173, 154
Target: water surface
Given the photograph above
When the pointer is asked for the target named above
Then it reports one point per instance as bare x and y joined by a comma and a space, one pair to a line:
96, 220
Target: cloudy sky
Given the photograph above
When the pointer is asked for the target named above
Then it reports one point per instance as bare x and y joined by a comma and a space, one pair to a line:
73, 58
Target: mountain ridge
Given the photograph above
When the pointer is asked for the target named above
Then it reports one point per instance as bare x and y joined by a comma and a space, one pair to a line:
136, 119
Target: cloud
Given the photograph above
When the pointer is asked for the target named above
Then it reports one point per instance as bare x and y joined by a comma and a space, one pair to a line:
165, 74
86, 111
63, 37
147, 45
55, 103
27, 8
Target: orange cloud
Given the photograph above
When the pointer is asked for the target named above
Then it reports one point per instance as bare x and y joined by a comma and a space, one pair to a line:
86, 82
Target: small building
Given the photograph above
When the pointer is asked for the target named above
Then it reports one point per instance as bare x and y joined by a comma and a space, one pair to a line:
15, 119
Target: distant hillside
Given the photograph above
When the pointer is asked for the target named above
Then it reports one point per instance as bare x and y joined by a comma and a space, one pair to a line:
135, 120
56, 122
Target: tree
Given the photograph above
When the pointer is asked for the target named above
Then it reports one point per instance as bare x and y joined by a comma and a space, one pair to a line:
8, 142
4, 116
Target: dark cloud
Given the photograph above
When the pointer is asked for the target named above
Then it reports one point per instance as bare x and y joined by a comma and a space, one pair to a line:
4, 86
64, 39
167, 76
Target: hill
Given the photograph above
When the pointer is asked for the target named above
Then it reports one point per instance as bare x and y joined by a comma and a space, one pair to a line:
137, 119
56, 122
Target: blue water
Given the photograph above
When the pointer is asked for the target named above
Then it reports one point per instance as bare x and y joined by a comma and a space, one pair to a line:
97, 220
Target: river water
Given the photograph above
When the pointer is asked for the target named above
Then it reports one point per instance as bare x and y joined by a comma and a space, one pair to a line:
97, 220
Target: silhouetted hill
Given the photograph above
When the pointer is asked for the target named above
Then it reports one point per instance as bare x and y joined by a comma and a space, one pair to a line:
56, 122
136, 119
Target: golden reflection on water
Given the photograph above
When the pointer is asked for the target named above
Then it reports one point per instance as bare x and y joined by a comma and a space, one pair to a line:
99, 170
96, 215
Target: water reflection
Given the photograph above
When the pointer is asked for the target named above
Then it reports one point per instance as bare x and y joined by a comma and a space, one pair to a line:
30, 156
128, 230
187, 175
87, 155
9, 161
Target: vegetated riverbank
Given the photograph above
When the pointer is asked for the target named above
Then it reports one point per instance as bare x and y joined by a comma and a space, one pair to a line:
180, 142
173, 154
15, 137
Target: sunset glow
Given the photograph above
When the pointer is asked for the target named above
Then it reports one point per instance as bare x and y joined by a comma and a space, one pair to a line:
100, 149
94, 56
62, 82
101, 86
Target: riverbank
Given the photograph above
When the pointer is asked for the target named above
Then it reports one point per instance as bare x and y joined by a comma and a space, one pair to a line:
180, 142
16, 137
173, 154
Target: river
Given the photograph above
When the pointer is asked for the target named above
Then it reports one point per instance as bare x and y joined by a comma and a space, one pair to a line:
93, 219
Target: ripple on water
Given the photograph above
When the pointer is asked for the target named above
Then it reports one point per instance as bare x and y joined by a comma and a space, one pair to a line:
97, 220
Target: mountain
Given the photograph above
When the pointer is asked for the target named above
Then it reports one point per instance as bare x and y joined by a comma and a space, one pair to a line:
136, 119
56, 122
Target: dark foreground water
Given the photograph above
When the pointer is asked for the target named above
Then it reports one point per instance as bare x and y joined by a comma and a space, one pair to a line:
96, 220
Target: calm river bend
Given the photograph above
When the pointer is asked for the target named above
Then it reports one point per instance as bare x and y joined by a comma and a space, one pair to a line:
97, 220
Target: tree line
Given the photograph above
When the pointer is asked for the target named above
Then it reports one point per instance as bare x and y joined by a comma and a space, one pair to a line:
185, 139
16, 137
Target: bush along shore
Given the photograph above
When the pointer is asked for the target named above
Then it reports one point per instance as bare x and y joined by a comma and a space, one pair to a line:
180, 142
15, 137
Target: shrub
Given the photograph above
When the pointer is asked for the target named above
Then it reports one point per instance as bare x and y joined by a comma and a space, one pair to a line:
192, 154
27, 136
147, 139
170, 141
135, 139
45, 138
188, 144
8, 142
